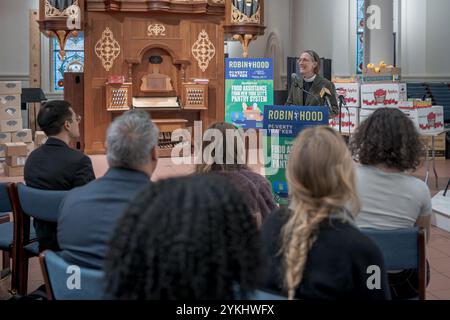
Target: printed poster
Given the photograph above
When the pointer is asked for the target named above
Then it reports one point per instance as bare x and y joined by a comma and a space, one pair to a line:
248, 89
286, 122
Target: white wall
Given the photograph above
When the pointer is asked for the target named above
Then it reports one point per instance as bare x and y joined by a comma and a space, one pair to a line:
438, 38
329, 28
14, 39
425, 39
277, 17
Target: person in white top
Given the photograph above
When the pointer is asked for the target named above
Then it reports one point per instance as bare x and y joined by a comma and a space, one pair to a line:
387, 148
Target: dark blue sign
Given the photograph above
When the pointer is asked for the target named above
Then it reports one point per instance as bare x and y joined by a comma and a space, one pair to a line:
288, 121
249, 69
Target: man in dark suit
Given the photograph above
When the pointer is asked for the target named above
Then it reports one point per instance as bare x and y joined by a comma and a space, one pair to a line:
54, 165
88, 214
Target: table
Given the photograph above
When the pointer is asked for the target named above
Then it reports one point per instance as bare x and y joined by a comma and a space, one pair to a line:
427, 161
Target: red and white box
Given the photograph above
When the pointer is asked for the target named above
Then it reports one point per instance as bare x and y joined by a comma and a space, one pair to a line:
427, 120
350, 91
364, 114
382, 95
349, 120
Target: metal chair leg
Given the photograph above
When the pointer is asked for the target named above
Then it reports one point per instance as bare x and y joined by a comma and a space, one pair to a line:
5, 261
446, 188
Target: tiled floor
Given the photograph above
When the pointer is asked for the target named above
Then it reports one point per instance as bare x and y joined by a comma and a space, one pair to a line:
438, 249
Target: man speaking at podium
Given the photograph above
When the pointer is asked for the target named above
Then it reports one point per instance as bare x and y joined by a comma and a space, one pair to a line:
311, 89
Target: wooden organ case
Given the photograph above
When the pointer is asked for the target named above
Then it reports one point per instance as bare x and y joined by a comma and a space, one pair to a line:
165, 57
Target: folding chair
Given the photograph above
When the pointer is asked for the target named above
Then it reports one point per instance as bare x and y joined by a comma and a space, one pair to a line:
6, 227
29, 202
403, 249
64, 281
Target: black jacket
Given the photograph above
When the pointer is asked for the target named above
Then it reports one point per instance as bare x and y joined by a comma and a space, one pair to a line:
337, 264
296, 94
55, 166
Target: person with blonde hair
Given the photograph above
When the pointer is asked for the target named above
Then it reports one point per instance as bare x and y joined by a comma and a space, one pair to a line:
314, 250
233, 165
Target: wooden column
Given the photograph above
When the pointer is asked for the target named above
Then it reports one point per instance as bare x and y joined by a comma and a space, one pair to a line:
35, 67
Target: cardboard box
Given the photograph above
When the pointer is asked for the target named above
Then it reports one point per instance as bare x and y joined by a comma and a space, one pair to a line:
10, 112
385, 75
350, 91
439, 141
11, 125
427, 120
349, 120
364, 114
15, 161
383, 95
5, 137
39, 138
12, 171
30, 147
24, 135
15, 149
10, 100
10, 87
418, 103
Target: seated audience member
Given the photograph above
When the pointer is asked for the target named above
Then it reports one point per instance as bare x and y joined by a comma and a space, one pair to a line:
387, 147
255, 186
54, 165
185, 238
314, 250
88, 214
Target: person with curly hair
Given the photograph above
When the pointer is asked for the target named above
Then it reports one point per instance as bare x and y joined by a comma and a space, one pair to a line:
185, 238
232, 164
388, 148
313, 249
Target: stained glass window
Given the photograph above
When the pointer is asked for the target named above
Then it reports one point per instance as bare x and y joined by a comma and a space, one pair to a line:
360, 36
73, 60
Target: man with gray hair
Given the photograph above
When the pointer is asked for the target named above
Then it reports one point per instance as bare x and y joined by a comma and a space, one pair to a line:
88, 214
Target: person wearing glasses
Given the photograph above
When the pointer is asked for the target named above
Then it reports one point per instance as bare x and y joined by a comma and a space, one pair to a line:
54, 165
312, 89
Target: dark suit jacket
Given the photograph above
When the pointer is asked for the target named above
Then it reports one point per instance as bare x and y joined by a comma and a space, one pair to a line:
88, 215
55, 166
296, 94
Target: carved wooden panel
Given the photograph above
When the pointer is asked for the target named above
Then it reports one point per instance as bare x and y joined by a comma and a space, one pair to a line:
173, 44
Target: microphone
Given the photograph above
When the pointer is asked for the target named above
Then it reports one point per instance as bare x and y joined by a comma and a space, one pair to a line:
295, 81
325, 93
341, 100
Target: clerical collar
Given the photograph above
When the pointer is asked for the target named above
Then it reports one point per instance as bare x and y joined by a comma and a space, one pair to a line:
310, 79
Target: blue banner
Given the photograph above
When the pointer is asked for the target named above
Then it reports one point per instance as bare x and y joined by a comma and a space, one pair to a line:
249, 69
290, 120
287, 122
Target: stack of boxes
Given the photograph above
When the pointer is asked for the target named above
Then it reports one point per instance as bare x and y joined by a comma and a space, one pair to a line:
349, 117
15, 142
380, 95
16, 155
429, 120
10, 112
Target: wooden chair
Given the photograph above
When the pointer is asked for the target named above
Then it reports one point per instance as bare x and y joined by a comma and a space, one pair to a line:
403, 249
29, 203
61, 280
